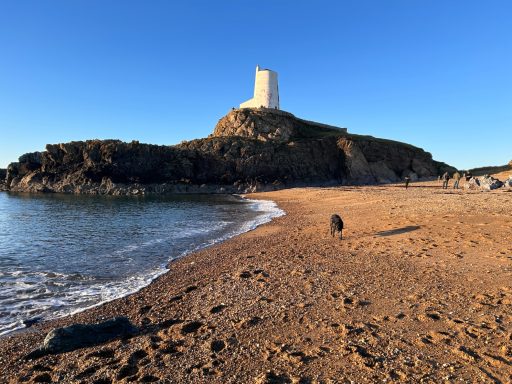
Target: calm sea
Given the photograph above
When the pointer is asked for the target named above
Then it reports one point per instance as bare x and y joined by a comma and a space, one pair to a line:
60, 254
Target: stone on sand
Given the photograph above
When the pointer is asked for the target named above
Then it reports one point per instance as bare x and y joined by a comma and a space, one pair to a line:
83, 335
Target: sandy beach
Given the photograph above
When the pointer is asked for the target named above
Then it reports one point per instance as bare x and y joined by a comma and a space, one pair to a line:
419, 290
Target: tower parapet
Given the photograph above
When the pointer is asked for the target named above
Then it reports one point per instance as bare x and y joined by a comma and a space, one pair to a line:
266, 91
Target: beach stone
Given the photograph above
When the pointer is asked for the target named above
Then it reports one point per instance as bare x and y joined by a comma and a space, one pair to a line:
472, 183
490, 183
77, 336
508, 183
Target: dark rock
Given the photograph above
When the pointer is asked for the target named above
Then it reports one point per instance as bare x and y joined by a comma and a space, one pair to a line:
3, 176
250, 150
30, 322
83, 335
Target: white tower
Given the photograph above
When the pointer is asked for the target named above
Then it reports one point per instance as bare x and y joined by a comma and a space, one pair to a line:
266, 92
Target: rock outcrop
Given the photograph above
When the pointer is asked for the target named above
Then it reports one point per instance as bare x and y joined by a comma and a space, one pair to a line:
250, 149
268, 124
3, 175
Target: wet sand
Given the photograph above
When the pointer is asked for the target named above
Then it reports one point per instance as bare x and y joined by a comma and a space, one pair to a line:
419, 290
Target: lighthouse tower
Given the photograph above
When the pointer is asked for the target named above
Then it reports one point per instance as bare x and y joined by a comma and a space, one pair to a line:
266, 92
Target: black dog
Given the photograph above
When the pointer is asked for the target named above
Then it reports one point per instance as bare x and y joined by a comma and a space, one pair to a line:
336, 225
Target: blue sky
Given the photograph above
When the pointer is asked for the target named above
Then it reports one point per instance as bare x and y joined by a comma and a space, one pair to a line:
435, 74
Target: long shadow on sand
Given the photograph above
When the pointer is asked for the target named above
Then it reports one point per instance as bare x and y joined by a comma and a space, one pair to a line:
398, 231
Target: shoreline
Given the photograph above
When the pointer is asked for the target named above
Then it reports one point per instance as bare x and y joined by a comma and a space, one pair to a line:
267, 211
419, 289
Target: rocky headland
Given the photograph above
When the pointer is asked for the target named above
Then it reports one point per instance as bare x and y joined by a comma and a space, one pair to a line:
249, 150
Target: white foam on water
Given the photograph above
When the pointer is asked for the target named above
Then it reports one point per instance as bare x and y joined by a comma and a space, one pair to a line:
10, 327
78, 298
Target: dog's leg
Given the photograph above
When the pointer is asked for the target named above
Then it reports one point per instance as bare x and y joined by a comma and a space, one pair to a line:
341, 234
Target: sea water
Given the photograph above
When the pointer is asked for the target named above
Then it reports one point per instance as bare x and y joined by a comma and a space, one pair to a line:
60, 254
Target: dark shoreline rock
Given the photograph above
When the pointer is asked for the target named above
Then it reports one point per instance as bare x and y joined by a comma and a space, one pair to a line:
3, 175
77, 336
250, 150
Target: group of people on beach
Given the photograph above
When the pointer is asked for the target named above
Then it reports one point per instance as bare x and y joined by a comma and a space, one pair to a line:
445, 178
456, 178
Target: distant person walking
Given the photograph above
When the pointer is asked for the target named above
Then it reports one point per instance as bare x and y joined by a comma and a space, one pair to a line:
446, 178
407, 181
456, 179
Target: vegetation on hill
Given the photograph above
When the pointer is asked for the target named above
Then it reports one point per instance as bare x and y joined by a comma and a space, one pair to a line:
490, 170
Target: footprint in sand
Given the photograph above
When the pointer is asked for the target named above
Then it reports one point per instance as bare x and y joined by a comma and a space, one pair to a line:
247, 323
131, 368
175, 298
145, 309
103, 380
43, 378
467, 353
218, 308
245, 275
149, 379
259, 274
173, 347
443, 337
190, 288
89, 371
217, 346
191, 327
274, 378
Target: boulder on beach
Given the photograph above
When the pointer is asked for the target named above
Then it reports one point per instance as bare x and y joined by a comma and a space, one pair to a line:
486, 183
472, 183
490, 183
508, 183
77, 336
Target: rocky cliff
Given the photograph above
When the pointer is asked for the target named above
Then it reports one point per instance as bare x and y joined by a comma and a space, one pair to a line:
250, 149
269, 124
3, 175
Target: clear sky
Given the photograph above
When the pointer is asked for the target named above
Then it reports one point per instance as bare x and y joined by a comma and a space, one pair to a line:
433, 73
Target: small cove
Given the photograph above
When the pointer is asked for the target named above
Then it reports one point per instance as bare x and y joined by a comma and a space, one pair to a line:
60, 254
